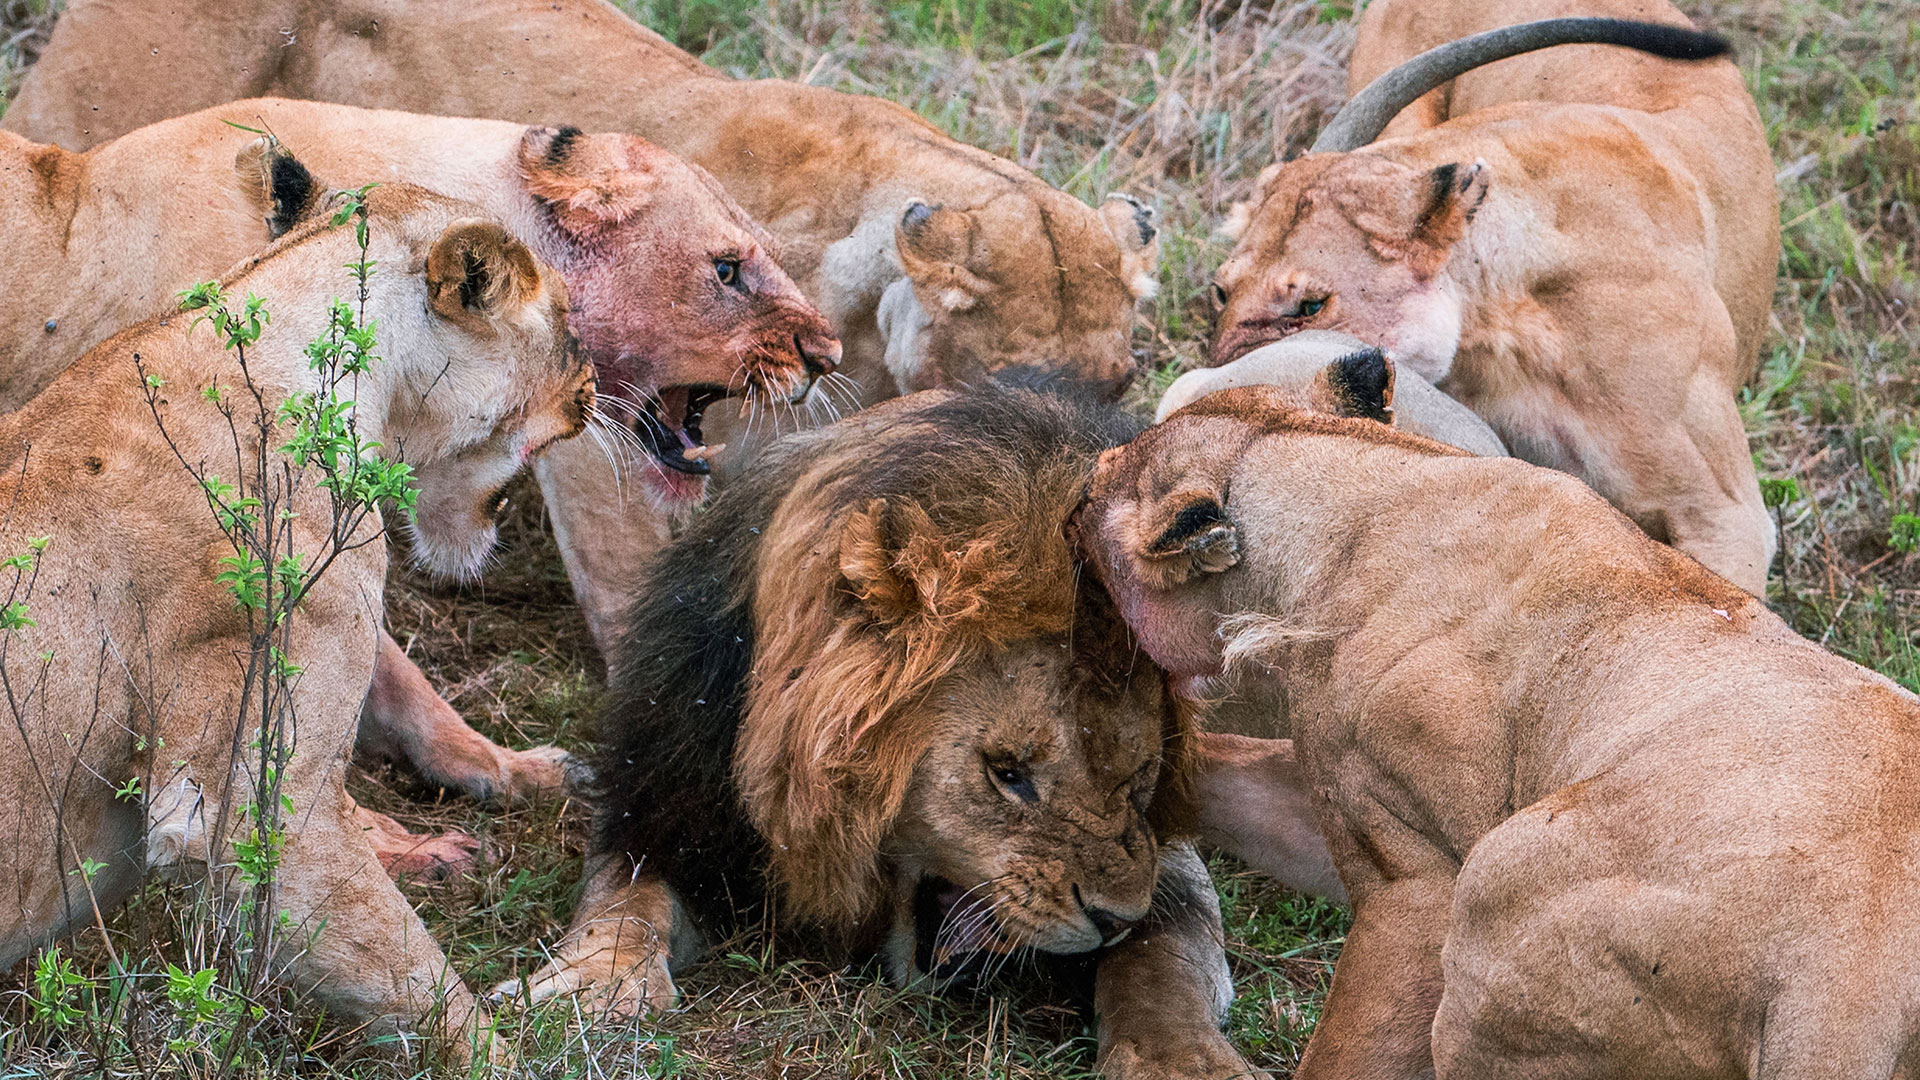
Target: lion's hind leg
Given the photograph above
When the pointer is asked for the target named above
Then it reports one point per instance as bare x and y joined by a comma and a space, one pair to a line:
628, 931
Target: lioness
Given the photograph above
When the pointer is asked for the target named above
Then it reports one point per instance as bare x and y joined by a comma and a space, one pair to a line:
128, 741
675, 298
1578, 244
870, 681
1600, 812
933, 260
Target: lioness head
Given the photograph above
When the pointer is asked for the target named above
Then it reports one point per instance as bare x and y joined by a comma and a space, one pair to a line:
1349, 242
484, 372
946, 743
677, 299
1029, 279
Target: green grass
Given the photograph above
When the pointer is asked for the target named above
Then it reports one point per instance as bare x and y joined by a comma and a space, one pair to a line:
1181, 104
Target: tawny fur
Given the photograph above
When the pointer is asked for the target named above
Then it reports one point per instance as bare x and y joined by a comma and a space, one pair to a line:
1579, 244
145, 651
185, 198
821, 676
1600, 812
1001, 271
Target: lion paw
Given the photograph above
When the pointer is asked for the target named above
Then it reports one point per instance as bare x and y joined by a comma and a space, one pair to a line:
1208, 1057
417, 856
612, 981
543, 772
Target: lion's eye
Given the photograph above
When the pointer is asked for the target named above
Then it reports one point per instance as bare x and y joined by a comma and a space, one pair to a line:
1012, 778
1309, 307
727, 270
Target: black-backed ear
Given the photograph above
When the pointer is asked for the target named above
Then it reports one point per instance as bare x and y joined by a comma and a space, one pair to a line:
1454, 195
1362, 383
1196, 533
477, 271
277, 184
1130, 222
934, 244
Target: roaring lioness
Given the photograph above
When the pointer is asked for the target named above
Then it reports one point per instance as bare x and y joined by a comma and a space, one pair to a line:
1579, 244
871, 686
935, 261
127, 743
674, 296
1600, 812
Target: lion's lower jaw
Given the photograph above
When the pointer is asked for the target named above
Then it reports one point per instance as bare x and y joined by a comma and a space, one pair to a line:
670, 491
456, 555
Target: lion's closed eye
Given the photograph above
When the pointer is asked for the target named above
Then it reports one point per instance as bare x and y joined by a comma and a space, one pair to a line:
1013, 777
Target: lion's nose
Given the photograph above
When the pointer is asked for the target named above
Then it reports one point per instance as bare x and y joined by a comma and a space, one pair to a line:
818, 360
1108, 924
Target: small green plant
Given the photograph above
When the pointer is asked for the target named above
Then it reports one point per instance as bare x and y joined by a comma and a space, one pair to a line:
1904, 534
57, 990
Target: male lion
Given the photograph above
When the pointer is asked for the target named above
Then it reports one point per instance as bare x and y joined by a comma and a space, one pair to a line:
871, 682
129, 734
1580, 245
1600, 812
674, 296
933, 260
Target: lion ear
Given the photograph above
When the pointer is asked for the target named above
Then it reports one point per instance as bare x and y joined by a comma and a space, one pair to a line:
1362, 385
934, 245
478, 273
277, 184
1131, 223
587, 181
1240, 215
1188, 533
1454, 194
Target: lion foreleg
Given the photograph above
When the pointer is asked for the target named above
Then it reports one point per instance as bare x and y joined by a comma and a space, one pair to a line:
405, 719
1378, 1020
351, 940
628, 931
1255, 804
1162, 994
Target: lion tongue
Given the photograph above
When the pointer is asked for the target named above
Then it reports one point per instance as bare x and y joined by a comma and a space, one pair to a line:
975, 935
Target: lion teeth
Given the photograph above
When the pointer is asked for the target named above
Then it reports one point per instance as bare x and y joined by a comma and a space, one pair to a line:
702, 453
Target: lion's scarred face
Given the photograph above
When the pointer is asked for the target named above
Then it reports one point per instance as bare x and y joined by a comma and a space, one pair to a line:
1025, 823
1353, 243
676, 296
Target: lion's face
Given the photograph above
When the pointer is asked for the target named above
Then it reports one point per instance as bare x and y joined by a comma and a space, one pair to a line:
1353, 243
677, 299
499, 381
1025, 823
1030, 279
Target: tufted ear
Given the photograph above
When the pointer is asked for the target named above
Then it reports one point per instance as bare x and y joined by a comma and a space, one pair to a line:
934, 245
895, 562
277, 184
1187, 533
588, 181
1131, 223
477, 273
1362, 385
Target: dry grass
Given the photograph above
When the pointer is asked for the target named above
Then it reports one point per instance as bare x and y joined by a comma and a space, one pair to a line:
1180, 104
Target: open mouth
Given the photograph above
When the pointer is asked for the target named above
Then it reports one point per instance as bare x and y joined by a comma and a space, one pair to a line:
669, 427
945, 937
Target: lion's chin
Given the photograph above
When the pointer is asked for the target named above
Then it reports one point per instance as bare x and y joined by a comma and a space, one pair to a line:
456, 553
670, 490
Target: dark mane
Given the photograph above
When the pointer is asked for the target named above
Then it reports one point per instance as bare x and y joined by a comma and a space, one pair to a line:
666, 790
